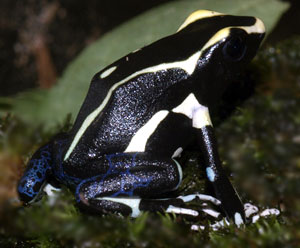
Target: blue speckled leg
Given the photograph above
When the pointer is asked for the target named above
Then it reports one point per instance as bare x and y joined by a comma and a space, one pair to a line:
36, 173
129, 175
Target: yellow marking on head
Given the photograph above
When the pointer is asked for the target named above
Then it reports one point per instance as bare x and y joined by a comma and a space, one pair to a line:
220, 35
258, 27
197, 15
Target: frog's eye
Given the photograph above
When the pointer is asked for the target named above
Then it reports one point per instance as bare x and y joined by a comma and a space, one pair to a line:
234, 49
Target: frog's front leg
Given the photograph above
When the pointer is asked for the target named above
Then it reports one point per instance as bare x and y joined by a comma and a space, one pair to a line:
224, 190
129, 178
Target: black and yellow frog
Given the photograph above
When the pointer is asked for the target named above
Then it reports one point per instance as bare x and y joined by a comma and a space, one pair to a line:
141, 112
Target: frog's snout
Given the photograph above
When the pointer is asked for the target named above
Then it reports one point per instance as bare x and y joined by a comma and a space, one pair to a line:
259, 27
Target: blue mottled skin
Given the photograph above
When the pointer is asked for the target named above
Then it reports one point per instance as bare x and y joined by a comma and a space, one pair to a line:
43, 167
58, 170
36, 173
115, 168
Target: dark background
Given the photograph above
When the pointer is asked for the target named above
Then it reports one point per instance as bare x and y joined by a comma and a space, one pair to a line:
40, 37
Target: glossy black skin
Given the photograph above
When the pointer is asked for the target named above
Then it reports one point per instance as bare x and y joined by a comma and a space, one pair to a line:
98, 166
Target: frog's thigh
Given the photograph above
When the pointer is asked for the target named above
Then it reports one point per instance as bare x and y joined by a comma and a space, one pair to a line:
130, 175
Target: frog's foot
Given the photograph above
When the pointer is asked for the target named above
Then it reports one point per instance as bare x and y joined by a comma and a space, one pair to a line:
205, 201
252, 213
178, 205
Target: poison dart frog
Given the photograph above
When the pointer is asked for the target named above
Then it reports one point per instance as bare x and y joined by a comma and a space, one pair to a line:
141, 112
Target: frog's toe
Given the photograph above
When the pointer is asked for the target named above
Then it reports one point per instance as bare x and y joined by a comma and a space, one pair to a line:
253, 213
179, 210
186, 211
265, 213
206, 200
201, 197
211, 212
250, 209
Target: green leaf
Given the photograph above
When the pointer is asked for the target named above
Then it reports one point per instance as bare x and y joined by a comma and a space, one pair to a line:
49, 108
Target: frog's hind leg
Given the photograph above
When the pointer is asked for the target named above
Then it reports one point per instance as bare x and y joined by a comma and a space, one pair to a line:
129, 178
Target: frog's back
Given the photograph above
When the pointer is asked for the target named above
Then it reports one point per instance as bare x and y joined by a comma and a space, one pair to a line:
128, 108
125, 95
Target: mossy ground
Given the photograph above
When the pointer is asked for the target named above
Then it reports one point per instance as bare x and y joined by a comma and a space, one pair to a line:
259, 142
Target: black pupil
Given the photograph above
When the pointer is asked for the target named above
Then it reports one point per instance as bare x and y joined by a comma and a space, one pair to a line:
235, 48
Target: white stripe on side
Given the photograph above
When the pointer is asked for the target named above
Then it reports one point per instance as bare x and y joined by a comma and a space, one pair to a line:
139, 140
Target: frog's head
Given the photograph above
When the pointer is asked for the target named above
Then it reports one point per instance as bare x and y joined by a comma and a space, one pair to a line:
221, 45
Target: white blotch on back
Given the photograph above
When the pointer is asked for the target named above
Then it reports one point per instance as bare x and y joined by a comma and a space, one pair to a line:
133, 203
139, 140
195, 111
107, 72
